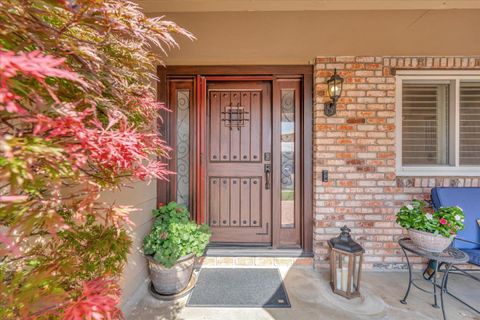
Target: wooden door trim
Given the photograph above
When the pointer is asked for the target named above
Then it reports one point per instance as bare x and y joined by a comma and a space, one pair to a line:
248, 70
201, 164
232, 73
276, 165
307, 162
239, 78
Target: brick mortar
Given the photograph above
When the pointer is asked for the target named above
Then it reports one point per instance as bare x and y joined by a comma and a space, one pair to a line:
357, 146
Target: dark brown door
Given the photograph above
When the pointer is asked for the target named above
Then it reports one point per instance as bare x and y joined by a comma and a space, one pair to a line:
239, 152
224, 144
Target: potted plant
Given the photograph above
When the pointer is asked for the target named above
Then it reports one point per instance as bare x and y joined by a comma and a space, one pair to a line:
431, 231
171, 248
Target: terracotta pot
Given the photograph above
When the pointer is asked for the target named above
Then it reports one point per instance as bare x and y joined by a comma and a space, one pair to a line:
429, 241
168, 281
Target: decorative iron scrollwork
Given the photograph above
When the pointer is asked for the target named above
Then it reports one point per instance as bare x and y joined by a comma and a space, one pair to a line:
234, 116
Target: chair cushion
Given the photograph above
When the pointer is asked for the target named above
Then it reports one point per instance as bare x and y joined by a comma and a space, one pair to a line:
469, 200
474, 256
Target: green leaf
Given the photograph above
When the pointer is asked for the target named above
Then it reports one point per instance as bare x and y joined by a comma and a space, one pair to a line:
174, 235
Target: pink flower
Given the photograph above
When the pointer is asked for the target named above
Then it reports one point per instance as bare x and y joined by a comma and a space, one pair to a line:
443, 221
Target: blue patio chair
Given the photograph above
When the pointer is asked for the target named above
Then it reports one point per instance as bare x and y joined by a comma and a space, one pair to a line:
467, 240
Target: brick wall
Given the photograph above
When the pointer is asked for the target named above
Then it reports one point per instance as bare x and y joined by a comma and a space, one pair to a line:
357, 146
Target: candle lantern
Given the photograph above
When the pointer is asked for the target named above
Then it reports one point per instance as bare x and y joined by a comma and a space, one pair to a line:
345, 264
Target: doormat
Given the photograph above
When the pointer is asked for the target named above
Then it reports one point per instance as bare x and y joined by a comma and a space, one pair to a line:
239, 287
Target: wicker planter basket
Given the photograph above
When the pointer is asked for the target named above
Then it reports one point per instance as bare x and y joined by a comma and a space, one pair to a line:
429, 241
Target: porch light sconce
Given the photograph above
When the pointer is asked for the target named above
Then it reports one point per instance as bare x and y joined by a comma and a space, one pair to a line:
335, 86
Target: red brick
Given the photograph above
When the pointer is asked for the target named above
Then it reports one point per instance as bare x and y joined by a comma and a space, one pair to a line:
356, 120
376, 120
344, 141
371, 66
324, 127
345, 155
345, 127
354, 66
366, 169
325, 59
355, 161
384, 155
346, 183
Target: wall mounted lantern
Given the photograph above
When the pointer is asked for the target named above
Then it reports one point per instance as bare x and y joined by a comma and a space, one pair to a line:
345, 264
335, 86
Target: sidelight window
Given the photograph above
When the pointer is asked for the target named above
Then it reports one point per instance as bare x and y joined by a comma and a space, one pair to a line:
182, 149
287, 144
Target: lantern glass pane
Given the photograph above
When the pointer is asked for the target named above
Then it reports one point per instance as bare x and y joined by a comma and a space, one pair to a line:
334, 89
343, 272
355, 273
338, 271
338, 88
357, 268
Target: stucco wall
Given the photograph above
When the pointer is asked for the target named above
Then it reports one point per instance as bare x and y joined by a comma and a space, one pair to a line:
297, 37
142, 196
357, 146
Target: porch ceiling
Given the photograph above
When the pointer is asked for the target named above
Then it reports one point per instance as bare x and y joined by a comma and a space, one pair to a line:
296, 37
302, 5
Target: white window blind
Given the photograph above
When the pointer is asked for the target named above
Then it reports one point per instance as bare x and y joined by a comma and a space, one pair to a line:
469, 123
425, 123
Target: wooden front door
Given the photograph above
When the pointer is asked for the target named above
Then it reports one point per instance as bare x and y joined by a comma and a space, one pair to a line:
242, 151
239, 169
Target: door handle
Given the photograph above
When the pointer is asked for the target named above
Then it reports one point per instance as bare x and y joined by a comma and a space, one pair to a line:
268, 173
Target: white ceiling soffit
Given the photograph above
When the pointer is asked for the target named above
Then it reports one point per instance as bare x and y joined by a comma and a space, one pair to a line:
301, 5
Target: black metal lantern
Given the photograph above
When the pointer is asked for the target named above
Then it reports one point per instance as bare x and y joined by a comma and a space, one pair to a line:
346, 258
335, 87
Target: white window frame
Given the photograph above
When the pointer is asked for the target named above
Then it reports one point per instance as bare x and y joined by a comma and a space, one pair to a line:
454, 77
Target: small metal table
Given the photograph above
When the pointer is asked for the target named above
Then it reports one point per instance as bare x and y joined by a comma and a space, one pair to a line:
449, 257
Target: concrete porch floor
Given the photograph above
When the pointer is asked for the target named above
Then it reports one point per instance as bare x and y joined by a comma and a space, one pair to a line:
311, 298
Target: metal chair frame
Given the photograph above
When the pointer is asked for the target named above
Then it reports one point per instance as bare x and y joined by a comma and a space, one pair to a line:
455, 270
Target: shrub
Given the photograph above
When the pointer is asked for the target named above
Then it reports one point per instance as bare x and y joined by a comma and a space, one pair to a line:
446, 221
174, 235
78, 116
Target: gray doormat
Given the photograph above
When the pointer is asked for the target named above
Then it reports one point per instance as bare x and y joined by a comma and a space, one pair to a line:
239, 287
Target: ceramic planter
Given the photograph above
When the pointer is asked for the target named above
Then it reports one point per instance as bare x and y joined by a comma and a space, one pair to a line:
169, 281
429, 241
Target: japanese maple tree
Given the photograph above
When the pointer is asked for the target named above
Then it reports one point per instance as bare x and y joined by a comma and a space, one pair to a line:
78, 117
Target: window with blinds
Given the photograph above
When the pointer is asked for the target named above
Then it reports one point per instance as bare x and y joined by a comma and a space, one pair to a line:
425, 109
469, 123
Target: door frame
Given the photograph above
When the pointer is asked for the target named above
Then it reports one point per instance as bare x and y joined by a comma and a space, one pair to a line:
199, 75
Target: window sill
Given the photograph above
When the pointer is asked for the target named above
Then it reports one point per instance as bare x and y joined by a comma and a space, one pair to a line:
438, 172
